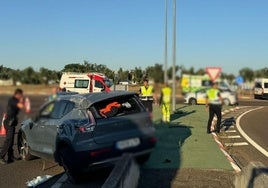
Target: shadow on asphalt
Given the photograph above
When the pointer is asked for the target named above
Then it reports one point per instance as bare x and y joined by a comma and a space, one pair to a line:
179, 113
165, 161
94, 179
227, 123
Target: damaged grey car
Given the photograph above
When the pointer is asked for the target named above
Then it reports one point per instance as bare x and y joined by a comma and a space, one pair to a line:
84, 131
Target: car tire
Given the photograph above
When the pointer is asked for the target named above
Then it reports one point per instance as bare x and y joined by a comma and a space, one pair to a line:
143, 158
256, 97
67, 162
192, 101
24, 149
226, 102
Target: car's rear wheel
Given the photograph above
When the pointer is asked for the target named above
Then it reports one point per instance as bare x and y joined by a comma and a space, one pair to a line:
24, 149
67, 162
192, 101
142, 159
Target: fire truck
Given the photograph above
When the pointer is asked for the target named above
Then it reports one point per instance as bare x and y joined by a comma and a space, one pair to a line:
85, 82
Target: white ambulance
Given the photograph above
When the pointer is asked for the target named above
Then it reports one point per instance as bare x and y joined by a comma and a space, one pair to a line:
85, 82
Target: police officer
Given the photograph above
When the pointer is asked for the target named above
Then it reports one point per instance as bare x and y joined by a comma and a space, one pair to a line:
214, 105
15, 103
147, 95
165, 99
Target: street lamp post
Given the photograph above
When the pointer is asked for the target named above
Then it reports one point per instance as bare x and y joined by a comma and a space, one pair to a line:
165, 54
174, 59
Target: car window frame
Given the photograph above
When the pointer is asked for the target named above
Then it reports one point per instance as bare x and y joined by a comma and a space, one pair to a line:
95, 107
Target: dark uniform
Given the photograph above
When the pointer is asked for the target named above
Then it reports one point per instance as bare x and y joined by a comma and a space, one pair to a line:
10, 124
215, 106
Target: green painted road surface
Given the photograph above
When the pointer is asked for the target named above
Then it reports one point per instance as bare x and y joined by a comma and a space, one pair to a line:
184, 142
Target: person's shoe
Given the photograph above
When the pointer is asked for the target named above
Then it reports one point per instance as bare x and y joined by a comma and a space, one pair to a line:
10, 161
3, 161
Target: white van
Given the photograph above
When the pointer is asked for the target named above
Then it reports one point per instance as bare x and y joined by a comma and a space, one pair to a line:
261, 88
85, 82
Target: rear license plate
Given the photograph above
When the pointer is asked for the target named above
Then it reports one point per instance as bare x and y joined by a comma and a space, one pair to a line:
129, 143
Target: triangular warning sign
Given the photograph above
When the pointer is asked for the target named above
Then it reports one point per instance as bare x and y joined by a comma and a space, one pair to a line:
213, 72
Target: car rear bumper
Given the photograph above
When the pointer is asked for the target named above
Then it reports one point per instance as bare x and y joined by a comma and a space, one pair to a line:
109, 155
112, 161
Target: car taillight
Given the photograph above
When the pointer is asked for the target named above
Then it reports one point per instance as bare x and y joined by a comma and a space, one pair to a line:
87, 128
153, 140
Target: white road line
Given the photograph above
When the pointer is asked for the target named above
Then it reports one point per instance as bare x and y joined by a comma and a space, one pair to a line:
61, 180
236, 144
258, 147
230, 131
234, 136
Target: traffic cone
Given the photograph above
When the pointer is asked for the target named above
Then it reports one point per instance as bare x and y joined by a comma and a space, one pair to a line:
2, 128
27, 105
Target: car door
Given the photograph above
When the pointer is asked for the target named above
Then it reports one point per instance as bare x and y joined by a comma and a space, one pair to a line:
60, 109
36, 136
98, 86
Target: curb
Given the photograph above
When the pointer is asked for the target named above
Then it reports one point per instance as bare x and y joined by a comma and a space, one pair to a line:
229, 158
236, 168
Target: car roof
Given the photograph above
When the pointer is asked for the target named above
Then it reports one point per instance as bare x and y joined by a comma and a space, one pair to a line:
86, 100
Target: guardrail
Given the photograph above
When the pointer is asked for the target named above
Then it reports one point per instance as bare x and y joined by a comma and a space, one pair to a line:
126, 173
254, 175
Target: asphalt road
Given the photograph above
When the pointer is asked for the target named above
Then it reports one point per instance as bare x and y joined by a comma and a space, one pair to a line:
18, 173
254, 125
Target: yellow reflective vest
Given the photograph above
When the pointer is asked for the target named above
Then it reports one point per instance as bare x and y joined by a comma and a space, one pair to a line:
147, 93
166, 95
213, 96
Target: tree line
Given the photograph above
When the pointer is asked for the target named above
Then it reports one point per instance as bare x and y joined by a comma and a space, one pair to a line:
136, 75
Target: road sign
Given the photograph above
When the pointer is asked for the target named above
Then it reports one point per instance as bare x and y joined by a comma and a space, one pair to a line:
213, 72
239, 80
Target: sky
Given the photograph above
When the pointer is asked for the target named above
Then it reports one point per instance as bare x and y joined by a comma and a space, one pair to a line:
231, 34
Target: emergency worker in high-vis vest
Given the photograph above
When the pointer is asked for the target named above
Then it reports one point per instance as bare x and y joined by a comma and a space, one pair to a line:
165, 100
147, 95
214, 106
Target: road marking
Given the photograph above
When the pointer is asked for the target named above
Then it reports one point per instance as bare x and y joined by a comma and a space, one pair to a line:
229, 127
61, 180
234, 136
230, 131
258, 147
236, 144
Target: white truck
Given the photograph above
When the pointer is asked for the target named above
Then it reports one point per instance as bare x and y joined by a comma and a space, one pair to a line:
261, 88
85, 82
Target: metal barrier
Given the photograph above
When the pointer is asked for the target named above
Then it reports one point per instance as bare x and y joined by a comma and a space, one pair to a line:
126, 173
254, 175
